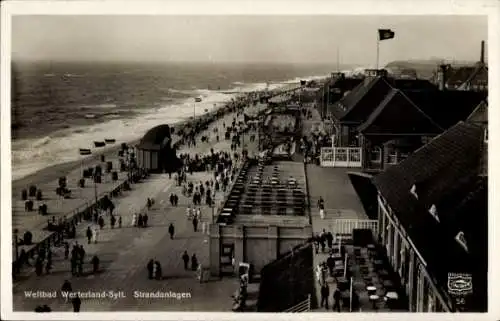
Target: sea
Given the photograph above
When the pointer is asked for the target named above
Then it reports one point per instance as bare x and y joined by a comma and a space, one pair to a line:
59, 107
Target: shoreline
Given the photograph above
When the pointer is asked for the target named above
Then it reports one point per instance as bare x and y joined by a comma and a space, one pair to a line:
53, 172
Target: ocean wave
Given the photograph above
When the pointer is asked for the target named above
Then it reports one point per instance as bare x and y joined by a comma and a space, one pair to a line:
31, 155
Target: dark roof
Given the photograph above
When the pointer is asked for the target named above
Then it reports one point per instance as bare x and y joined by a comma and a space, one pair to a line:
413, 84
397, 115
345, 83
445, 173
446, 107
156, 138
363, 99
480, 114
474, 75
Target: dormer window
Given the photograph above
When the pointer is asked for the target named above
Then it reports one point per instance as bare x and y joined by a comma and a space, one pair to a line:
413, 191
433, 212
460, 238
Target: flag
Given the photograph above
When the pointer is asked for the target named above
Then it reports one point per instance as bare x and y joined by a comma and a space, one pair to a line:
197, 99
85, 151
385, 34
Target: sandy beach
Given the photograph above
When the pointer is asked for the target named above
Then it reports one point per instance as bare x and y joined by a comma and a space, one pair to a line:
46, 180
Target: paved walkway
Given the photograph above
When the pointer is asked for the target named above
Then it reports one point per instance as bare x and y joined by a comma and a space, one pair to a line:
124, 253
341, 201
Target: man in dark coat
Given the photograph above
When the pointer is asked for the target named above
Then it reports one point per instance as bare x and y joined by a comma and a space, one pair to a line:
195, 224
336, 299
185, 258
325, 293
330, 263
329, 239
194, 262
150, 268
95, 264
76, 303
171, 231
89, 234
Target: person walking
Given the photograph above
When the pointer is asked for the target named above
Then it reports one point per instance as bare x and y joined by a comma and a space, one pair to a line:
185, 258
66, 250
194, 262
76, 303
89, 234
113, 221
336, 299
171, 231
145, 220
95, 264
66, 287
150, 268
195, 224
96, 234
325, 293
119, 221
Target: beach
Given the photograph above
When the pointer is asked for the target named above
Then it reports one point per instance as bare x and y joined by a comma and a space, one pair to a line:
81, 198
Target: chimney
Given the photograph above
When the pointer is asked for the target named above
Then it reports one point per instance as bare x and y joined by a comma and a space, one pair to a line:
442, 76
482, 52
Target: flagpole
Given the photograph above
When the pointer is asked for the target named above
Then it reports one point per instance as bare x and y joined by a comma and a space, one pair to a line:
378, 45
338, 69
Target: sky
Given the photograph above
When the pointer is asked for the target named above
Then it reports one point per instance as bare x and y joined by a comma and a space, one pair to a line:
282, 39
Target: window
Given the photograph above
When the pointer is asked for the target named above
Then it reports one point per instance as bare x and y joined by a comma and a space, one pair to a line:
486, 135
393, 157
376, 155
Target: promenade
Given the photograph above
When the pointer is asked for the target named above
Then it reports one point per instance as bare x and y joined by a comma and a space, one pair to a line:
341, 202
124, 252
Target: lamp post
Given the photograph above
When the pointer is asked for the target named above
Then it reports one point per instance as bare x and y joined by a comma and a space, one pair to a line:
16, 240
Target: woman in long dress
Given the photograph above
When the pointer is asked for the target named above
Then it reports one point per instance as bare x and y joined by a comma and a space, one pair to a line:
134, 219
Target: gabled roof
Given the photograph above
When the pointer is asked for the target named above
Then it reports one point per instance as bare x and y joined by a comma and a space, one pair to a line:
468, 74
397, 115
363, 100
456, 151
447, 107
480, 114
413, 84
445, 174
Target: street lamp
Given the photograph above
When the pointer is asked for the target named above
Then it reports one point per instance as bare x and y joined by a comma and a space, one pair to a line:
16, 240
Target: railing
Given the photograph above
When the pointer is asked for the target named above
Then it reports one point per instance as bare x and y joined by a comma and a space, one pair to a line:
341, 157
56, 237
346, 226
304, 306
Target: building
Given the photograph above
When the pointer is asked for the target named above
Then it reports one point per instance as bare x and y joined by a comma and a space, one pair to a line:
383, 120
154, 151
263, 217
433, 216
470, 78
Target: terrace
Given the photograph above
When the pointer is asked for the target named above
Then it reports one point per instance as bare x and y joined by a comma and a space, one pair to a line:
276, 189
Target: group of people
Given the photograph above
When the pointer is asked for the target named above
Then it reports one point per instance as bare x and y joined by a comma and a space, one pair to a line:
140, 220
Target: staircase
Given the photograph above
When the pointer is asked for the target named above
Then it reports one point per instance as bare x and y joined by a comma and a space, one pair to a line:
304, 306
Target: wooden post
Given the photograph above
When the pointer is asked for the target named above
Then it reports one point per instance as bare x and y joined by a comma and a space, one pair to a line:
345, 266
350, 296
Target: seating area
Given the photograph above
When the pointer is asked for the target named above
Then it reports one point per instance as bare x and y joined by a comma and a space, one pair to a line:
374, 279
270, 190
375, 286
262, 189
